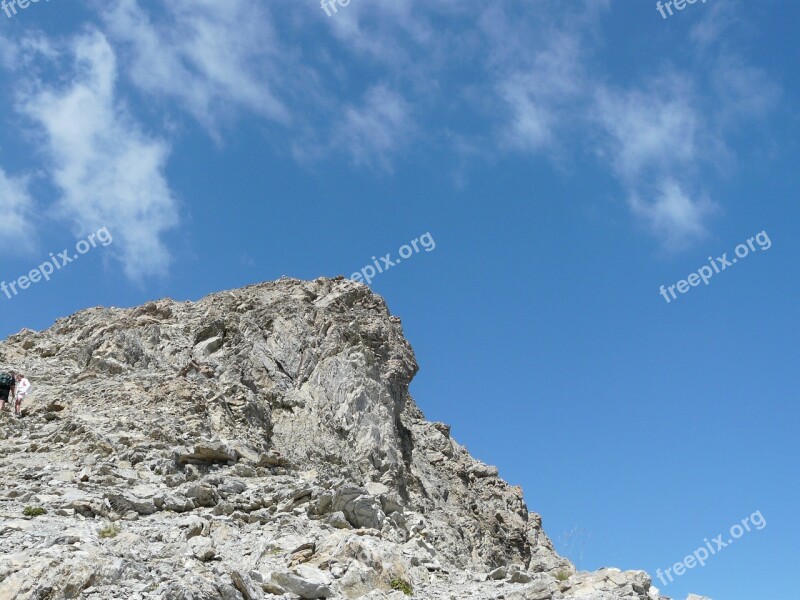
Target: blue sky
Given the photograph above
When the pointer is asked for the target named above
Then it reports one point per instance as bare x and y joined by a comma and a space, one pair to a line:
567, 159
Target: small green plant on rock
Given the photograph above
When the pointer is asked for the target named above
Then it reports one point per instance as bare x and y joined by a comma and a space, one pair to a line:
402, 585
109, 531
562, 575
33, 511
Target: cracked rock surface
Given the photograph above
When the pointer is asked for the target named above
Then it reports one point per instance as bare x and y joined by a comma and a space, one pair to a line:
259, 443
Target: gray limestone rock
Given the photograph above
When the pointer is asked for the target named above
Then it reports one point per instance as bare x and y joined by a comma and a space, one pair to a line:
257, 442
306, 582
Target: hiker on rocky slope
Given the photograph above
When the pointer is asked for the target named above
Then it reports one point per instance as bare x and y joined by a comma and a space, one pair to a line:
23, 388
8, 383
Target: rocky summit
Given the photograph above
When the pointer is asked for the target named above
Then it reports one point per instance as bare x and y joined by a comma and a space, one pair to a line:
257, 444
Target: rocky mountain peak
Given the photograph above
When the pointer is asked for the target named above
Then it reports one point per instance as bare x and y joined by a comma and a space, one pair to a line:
258, 443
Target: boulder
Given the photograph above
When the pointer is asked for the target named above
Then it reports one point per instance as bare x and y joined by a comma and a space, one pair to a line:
359, 507
202, 548
205, 452
305, 581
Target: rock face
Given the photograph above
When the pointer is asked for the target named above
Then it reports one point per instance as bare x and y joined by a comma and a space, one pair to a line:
259, 443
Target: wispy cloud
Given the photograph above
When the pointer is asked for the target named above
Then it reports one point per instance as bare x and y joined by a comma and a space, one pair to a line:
671, 213
16, 207
495, 77
747, 93
224, 61
110, 172
214, 58
372, 131
645, 126
652, 138
713, 22
541, 96
393, 33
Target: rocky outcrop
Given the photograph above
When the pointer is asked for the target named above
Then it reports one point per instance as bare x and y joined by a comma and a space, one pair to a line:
259, 443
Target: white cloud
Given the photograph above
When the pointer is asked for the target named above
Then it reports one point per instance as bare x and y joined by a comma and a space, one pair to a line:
673, 215
660, 138
651, 137
215, 58
652, 129
17, 229
541, 96
390, 32
746, 92
109, 171
372, 131
524, 76
714, 21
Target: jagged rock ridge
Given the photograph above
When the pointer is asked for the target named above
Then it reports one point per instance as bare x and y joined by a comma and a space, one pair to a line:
259, 443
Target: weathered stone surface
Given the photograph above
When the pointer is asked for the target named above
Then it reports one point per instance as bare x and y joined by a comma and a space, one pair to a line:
205, 452
203, 494
246, 586
257, 442
359, 508
306, 582
202, 548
